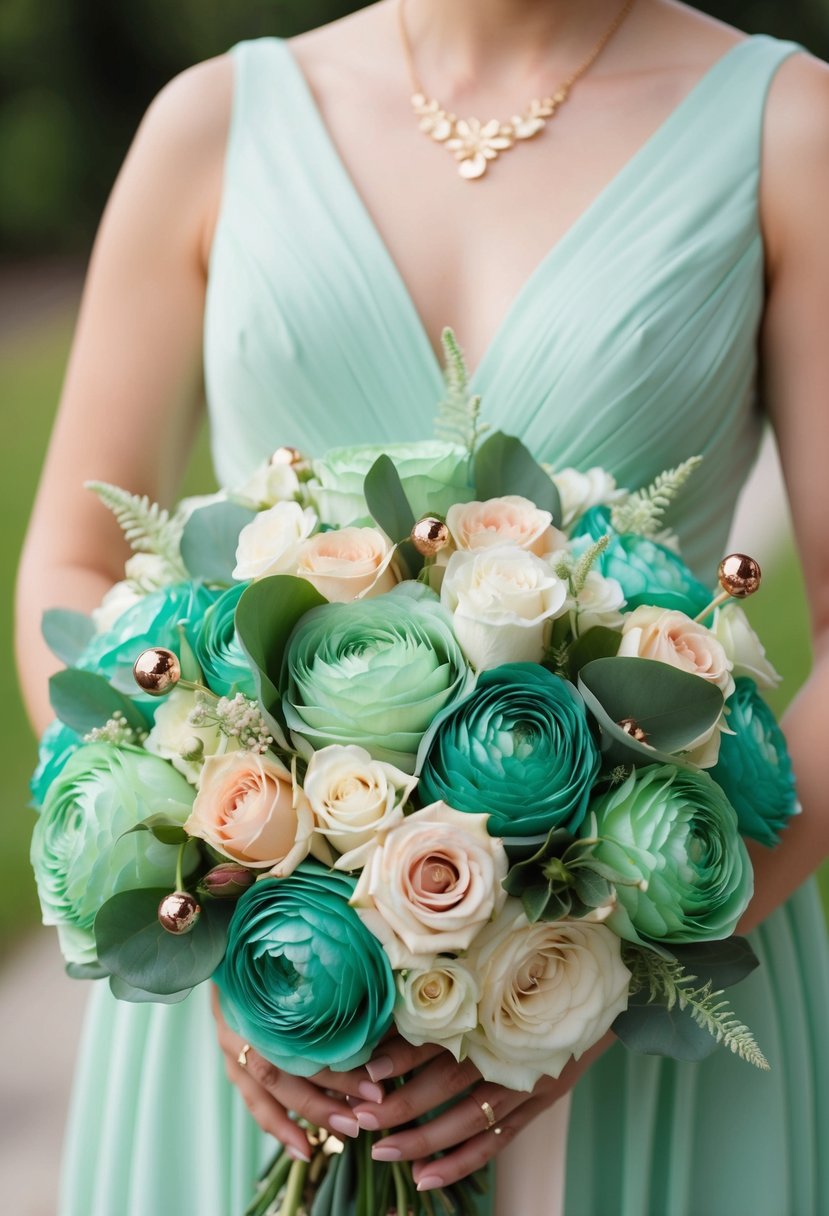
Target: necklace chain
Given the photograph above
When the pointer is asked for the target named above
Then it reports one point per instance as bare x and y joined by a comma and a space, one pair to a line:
475, 143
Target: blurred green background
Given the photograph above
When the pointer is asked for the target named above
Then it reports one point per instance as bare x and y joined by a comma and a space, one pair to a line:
75, 77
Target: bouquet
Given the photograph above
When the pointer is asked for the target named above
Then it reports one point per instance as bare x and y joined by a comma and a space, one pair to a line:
424, 736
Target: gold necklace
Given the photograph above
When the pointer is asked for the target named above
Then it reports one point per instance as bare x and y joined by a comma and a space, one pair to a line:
475, 143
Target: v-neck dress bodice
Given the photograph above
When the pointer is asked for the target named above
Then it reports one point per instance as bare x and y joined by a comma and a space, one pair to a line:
633, 345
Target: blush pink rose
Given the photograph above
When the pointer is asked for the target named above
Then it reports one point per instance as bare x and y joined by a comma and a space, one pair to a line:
348, 563
511, 520
672, 637
248, 809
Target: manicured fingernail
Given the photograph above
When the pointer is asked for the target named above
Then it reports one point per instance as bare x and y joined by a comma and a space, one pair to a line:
380, 1068
368, 1122
385, 1152
429, 1183
296, 1154
370, 1091
342, 1123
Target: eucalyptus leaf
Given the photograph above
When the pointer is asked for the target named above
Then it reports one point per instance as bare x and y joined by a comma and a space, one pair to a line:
133, 945
597, 643
67, 633
592, 889
724, 963
86, 971
168, 831
387, 501
534, 900
210, 538
504, 466
652, 1029
83, 700
123, 991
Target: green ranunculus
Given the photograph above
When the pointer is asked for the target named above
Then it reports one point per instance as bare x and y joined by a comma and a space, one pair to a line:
647, 572
754, 767
518, 747
57, 743
373, 672
79, 853
434, 475
303, 980
675, 831
218, 651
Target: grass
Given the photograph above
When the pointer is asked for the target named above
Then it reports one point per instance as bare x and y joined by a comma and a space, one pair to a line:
31, 372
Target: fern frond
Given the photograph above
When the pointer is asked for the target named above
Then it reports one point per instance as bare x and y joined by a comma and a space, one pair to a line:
668, 983
147, 527
458, 419
642, 511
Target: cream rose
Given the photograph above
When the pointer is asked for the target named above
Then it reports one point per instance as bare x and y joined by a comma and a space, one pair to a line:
248, 810
437, 1003
431, 883
115, 603
511, 520
353, 798
550, 990
348, 563
673, 638
581, 491
174, 738
267, 485
599, 603
500, 600
271, 543
745, 650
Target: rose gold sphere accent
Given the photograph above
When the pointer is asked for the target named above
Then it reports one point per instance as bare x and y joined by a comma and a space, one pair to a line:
178, 912
288, 455
739, 575
430, 535
156, 671
631, 727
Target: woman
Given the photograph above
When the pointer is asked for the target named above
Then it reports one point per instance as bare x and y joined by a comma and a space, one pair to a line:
282, 203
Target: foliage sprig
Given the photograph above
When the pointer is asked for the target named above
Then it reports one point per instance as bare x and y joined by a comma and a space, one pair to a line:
642, 511
147, 527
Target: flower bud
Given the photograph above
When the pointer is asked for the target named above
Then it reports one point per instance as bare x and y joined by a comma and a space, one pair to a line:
227, 881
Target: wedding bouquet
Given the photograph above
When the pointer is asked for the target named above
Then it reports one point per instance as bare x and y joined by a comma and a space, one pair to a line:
422, 736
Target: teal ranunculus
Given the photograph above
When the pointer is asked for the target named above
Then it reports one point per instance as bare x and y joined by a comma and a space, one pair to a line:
373, 672
647, 572
79, 853
674, 830
57, 744
218, 651
754, 767
519, 748
434, 475
303, 980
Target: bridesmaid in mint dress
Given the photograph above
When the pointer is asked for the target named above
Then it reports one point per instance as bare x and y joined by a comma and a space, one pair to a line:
632, 345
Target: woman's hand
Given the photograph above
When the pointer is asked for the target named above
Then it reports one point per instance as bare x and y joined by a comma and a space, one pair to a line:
465, 1124
269, 1093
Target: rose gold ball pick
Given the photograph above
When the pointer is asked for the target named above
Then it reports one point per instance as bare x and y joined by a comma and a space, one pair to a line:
178, 912
739, 575
156, 671
430, 535
631, 727
288, 455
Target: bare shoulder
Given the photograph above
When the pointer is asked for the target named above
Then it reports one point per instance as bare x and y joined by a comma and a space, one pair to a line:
190, 116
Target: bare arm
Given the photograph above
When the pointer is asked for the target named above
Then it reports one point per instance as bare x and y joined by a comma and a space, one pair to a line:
133, 387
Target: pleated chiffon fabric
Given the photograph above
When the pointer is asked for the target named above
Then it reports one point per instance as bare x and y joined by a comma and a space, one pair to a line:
634, 346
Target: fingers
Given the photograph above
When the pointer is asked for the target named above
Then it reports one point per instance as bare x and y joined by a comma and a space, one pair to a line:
355, 1084
395, 1056
437, 1082
465, 1120
271, 1116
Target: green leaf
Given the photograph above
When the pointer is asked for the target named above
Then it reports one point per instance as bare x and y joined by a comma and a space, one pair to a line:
123, 991
656, 1031
387, 501
598, 643
673, 707
168, 831
83, 700
133, 945
535, 901
86, 971
592, 889
265, 617
504, 466
209, 540
723, 963
67, 633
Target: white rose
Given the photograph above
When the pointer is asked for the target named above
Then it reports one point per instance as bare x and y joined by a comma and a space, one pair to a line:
115, 603
550, 990
353, 798
174, 738
599, 603
437, 1003
271, 543
431, 883
745, 650
348, 563
511, 520
581, 491
672, 637
148, 572
500, 600
268, 485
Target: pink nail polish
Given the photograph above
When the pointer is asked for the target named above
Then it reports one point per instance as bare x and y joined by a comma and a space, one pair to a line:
385, 1152
367, 1121
345, 1125
429, 1182
370, 1091
296, 1154
380, 1068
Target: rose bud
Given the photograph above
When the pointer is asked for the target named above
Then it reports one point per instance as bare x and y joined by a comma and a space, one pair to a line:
227, 881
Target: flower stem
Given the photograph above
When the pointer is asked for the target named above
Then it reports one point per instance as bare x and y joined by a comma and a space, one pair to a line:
295, 1188
180, 866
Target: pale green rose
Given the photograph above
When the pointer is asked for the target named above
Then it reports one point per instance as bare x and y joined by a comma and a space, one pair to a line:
434, 475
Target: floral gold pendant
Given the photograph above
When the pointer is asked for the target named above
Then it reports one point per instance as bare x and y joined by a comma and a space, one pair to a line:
473, 143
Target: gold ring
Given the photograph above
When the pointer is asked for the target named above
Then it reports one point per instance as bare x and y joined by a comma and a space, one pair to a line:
489, 1114
242, 1057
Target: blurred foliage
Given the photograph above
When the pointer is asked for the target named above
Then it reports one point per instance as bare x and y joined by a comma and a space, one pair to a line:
76, 76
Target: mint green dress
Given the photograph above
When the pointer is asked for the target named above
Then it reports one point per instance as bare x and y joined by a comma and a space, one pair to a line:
633, 346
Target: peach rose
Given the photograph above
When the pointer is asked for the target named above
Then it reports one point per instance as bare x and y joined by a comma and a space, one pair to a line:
673, 638
511, 520
348, 563
248, 808
432, 882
